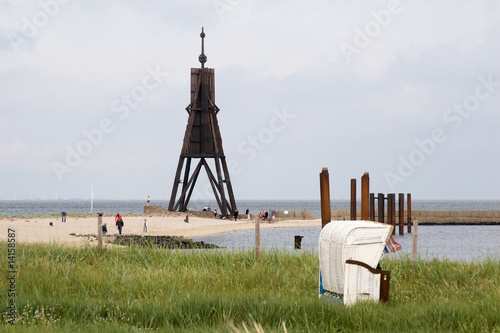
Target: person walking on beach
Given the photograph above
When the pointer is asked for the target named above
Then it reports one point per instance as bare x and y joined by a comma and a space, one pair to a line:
248, 213
274, 218
235, 214
149, 199
104, 229
215, 212
145, 228
119, 223
63, 216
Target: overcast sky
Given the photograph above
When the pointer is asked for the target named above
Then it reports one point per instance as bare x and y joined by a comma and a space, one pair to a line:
94, 93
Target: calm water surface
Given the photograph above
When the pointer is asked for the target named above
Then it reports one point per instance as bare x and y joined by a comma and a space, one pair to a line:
454, 242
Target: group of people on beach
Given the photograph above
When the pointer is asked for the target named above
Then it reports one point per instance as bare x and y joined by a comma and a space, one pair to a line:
264, 216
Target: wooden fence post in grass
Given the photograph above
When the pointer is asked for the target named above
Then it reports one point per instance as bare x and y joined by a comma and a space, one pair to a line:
257, 237
414, 250
99, 231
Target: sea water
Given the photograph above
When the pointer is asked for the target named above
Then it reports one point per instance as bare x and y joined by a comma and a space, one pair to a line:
453, 242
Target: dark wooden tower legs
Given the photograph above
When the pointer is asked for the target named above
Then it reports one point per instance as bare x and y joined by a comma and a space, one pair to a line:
220, 184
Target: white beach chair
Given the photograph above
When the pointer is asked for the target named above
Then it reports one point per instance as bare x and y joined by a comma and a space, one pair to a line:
349, 253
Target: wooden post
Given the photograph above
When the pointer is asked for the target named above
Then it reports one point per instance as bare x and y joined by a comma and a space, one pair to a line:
401, 203
365, 197
381, 207
408, 210
391, 211
372, 206
324, 182
414, 250
353, 199
257, 237
99, 231
297, 242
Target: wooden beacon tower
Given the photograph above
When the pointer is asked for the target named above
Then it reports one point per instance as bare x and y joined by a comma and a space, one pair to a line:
202, 141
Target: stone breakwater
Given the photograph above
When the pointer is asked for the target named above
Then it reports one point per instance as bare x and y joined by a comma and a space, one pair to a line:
433, 216
169, 242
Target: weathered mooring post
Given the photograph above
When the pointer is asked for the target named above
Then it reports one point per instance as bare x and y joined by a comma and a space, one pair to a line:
401, 216
408, 210
372, 206
324, 184
391, 211
353, 199
381, 207
365, 197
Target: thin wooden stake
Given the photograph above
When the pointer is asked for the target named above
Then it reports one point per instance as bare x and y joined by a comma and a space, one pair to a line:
257, 237
414, 250
99, 231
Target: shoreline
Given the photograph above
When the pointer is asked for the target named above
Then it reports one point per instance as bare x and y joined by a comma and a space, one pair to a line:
74, 230
37, 229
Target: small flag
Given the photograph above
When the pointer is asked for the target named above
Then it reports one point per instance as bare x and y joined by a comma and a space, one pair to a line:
392, 246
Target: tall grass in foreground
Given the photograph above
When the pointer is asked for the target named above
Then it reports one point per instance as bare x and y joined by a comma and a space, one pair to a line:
62, 289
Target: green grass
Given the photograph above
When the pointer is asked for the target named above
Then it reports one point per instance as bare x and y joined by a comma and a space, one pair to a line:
62, 289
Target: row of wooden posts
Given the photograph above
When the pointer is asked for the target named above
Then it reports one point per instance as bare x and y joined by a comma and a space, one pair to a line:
368, 203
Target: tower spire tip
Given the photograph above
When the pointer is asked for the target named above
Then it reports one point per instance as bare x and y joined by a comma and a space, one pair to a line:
202, 58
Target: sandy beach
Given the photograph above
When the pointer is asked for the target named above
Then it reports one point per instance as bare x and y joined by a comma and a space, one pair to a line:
71, 232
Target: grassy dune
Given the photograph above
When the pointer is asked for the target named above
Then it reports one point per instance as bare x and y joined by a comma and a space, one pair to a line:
61, 289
